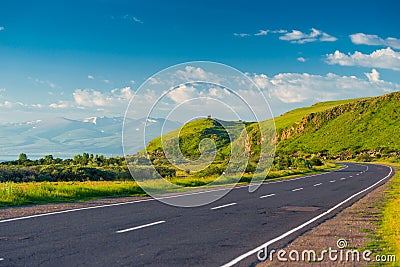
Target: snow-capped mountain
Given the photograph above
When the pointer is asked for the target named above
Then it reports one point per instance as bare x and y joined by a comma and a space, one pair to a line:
66, 137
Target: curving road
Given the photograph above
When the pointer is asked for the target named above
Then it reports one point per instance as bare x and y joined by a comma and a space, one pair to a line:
227, 232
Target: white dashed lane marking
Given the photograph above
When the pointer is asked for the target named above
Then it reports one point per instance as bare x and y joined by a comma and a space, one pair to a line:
317, 184
270, 195
223, 206
139, 227
297, 189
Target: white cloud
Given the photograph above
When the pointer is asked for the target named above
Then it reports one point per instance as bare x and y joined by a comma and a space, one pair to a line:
261, 80
279, 31
48, 83
2, 28
132, 81
128, 17
304, 87
301, 59
327, 38
93, 98
191, 73
59, 105
241, 34
182, 93
373, 76
262, 33
106, 81
125, 93
383, 58
154, 81
90, 77
19, 105
372, 39
298, 37
135, 19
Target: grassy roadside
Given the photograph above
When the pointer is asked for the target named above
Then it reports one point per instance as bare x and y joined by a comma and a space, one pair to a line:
386, 240
28, 193
19, 194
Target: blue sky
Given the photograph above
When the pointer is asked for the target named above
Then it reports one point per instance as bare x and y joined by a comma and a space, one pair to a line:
86, 58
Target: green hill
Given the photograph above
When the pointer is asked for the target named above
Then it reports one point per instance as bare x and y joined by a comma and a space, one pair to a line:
357, 126
345, 129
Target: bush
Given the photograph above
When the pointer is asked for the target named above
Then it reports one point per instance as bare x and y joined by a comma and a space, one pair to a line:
316, 161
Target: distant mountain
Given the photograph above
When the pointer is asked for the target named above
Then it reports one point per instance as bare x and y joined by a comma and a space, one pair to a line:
66, 137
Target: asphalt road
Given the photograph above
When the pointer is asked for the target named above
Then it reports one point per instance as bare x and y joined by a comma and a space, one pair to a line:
150, 233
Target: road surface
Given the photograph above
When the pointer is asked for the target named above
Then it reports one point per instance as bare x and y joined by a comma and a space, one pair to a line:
147, 232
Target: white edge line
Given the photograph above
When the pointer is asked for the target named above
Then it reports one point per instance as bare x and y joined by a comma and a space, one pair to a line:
270, 195
223, 206
251, 252
139, 227
152, 199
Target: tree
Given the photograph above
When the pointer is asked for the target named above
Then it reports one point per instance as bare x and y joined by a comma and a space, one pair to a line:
48, 159
22, 158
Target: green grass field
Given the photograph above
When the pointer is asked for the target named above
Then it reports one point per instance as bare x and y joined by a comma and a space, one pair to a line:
19, 194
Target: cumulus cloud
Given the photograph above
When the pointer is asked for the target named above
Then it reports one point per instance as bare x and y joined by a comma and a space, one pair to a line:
93, 98
372, 39
182, 93
373, 76
304, 87
191, 73
90, 77
262, 33
383, 58
301, 59
298, 37
2, 28
59, 105
154, 81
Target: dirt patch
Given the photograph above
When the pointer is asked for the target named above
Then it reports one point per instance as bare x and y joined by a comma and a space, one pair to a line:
354, 224
15, 212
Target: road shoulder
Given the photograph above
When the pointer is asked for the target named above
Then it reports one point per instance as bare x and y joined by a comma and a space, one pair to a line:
354, 224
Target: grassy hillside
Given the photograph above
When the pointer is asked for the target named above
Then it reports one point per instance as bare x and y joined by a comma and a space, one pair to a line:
357, 126
291, 117
345, 128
